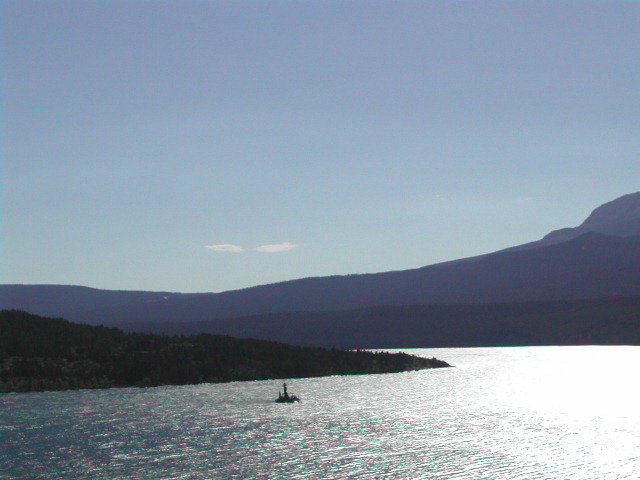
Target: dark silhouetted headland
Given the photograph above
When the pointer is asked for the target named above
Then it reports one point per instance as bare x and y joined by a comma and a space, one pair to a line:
39, 353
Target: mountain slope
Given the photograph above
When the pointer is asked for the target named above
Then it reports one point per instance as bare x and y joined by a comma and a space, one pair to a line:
71, 300
611, 321
581, 263
590, 266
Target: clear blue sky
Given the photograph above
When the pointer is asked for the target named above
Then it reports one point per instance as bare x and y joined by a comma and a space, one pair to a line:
200, 146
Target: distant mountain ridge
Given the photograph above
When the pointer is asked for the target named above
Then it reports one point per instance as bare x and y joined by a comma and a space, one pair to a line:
72, 300
600, 258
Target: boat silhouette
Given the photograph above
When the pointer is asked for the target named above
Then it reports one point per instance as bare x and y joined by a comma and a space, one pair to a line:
286, 397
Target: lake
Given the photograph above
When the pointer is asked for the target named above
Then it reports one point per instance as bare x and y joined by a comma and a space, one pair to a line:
501, 413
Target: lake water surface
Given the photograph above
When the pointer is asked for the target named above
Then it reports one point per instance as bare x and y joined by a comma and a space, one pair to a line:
500, 414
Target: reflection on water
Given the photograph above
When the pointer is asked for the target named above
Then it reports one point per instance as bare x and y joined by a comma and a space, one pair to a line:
501, 413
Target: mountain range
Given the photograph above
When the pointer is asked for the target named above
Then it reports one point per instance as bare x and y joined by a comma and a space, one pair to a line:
598, 259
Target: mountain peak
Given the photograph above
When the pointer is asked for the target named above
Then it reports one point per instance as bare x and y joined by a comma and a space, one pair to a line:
619, 217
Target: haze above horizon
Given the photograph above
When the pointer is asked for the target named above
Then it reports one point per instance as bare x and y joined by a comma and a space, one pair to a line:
207, 146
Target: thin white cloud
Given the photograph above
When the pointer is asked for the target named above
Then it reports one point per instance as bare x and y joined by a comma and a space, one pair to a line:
226, 247
280, 247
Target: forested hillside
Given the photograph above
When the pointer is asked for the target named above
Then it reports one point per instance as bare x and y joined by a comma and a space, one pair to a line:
606, 321
39, 353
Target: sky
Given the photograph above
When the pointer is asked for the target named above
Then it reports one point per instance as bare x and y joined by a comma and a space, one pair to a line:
204, 146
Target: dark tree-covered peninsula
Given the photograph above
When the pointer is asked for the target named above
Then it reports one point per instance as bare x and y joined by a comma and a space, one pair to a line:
39, 354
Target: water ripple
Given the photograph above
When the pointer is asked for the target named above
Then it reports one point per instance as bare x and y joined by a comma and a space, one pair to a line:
505, 413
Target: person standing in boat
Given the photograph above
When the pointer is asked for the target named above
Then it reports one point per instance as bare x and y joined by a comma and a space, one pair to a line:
285, 397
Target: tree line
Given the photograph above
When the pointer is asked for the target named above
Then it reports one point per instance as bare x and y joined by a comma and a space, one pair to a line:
38, 353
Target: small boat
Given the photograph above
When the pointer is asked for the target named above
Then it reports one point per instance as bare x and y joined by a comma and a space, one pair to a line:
286, 397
